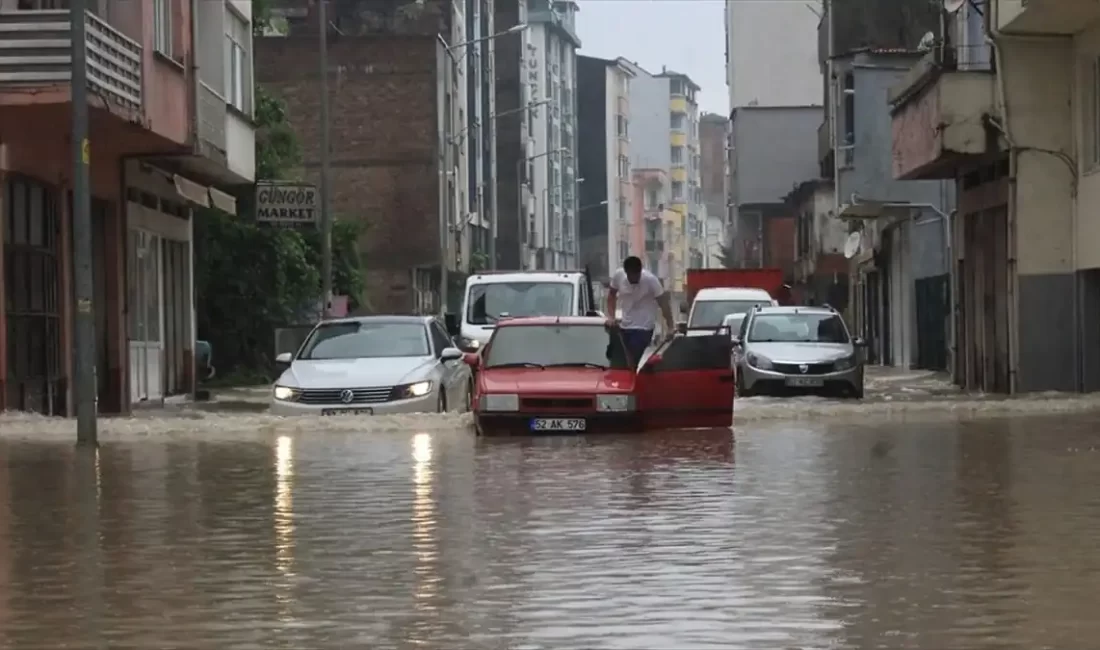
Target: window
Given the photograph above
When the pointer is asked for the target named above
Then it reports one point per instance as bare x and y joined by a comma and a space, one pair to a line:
677, 154
651, 198
366, 340
676, 121
624, 167
162, 26
557, 345
622, 126
622, 210
849, 119
440, 339
677, 87
238, 63
624, 252
677, 191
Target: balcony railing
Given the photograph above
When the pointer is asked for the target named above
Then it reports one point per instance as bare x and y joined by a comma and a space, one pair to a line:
35, 49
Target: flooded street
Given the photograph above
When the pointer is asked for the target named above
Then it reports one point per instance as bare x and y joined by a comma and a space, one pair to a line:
781, 534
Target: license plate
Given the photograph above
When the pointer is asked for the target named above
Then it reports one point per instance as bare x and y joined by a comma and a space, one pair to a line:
805, 382
558, 424
347, 412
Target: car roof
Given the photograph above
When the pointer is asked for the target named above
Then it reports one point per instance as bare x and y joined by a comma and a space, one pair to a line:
796, 309
382, 319
524, 276
551, 320
732, 293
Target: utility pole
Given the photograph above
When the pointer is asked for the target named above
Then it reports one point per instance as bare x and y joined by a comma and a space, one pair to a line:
84, 352
326, 145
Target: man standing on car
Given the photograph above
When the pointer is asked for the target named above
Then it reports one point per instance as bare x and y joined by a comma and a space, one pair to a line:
640, 295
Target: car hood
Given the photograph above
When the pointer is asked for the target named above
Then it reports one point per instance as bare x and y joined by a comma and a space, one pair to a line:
356, 373
556, 380
801, 352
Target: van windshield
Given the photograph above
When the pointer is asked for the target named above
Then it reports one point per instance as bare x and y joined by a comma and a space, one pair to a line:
711, 313
487, 303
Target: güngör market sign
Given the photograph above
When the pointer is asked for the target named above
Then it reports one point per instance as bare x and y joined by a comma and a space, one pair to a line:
286, 203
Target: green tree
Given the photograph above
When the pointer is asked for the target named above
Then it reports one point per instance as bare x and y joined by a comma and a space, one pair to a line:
251, 278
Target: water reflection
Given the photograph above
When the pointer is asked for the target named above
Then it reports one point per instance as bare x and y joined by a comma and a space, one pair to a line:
284, 524
424, 521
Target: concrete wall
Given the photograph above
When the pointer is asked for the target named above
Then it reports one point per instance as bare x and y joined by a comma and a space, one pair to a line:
649, 122
771, 53
774, 149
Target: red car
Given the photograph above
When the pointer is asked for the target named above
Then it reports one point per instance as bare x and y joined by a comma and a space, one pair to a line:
573, 374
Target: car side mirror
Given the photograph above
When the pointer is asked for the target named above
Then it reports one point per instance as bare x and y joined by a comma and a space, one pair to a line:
682, 327
284, 358
471, 359
736, 340
450, 321
450, 354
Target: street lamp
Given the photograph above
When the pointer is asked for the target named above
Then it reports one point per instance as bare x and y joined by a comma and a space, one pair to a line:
514, 29
512, 111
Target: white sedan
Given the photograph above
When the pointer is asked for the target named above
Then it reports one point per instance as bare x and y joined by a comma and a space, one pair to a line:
373, 365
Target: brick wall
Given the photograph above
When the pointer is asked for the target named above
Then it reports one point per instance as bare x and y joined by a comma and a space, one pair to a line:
384, 145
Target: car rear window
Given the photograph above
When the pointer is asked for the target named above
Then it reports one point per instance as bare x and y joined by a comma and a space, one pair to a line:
557, 345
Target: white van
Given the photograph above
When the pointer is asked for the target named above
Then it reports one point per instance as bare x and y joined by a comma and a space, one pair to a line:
711, 306
492, 296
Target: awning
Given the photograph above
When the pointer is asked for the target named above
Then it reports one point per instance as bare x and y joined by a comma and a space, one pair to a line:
224, 202
192, 191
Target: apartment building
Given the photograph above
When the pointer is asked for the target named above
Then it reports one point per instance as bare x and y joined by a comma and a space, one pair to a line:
714, 176
665, 136
400, 158
607, 193
549, 86
171, 102
1012, 87
658, 232
480, 135
771, 57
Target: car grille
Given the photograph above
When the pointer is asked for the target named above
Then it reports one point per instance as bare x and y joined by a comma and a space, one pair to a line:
556, 402
334, 395
812, 368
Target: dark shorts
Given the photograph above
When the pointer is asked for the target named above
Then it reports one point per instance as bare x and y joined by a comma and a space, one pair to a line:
636, 343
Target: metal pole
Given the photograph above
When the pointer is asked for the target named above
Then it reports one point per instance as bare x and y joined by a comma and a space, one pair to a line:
84, 353
326, 145
521, 218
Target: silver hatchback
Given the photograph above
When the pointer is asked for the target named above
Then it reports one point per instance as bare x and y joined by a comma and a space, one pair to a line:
797, 349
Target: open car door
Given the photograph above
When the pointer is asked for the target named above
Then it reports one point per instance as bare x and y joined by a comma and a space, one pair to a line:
687, 383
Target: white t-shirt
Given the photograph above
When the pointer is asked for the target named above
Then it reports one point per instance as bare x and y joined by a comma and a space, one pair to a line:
638, 302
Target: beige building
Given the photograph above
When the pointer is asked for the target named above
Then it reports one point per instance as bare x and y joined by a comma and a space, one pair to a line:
1008, 105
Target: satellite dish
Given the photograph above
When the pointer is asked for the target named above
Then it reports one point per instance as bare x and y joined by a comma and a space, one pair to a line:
926, 41
851, 246
951, 6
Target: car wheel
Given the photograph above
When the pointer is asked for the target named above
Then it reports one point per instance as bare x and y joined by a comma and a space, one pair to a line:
740, 387
469, 397
441, 407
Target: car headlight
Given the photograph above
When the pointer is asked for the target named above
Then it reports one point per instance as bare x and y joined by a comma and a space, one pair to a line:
468, 344
499, 402
845, 363
757, 361
409, 391
614, 403
285, 393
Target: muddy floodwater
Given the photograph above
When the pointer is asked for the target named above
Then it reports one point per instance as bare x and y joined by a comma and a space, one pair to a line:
244, 532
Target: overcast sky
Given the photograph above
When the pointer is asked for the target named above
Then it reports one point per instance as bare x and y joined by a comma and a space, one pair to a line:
686, 35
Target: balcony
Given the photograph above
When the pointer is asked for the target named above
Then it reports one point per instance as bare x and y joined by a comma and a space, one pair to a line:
678, 139
35, 51
938, 116
678, 104
679, 172
1046, 16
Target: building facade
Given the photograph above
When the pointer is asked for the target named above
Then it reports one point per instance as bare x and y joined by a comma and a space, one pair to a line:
1013, 88
399, 159
549, 87
771, 57
713, 176
771, 150
606, 196
169, 124
658, 232
899, 283
665, 113
480, 139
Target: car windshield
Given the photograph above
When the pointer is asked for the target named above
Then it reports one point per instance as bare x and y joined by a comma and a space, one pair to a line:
709, 313
733, 322
488, 302
557, 345
798, 328
365, 340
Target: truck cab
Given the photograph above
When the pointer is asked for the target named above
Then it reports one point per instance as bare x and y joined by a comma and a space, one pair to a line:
491, 297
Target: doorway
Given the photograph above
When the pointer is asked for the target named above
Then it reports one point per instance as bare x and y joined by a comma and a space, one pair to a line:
145, 290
